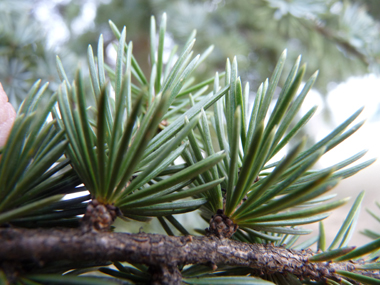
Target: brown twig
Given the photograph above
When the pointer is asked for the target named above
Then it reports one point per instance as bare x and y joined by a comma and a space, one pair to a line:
164, 253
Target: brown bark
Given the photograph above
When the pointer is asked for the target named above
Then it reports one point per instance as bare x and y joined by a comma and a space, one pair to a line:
162, 253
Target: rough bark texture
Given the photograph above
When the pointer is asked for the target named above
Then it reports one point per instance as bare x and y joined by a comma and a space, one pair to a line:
159, 252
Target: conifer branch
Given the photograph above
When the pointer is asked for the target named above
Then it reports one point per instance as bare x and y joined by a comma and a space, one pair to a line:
162, 253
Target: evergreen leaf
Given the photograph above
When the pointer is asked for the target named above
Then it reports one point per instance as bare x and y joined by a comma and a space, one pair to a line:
365, 249
348, 221
226, 280
332, 254
181, 176
70, 280
360, 278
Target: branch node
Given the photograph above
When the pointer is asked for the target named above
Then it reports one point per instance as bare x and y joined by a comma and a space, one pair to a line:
221, 225
213, 265
186, 239
165, 275
99, 216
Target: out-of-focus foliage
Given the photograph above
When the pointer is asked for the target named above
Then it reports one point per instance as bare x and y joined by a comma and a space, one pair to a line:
340, 38
24, 55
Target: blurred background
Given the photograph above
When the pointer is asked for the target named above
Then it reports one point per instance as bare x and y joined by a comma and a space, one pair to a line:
341, 39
